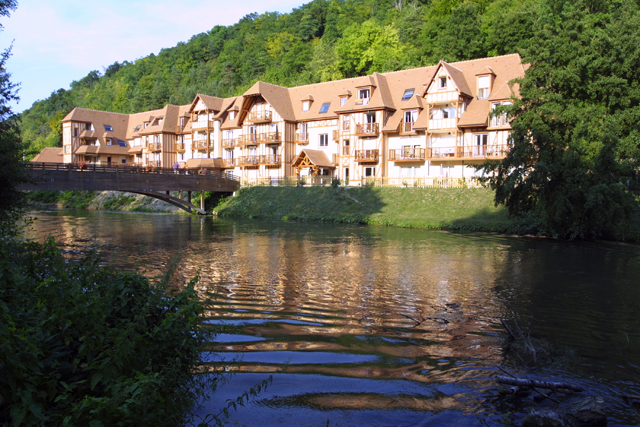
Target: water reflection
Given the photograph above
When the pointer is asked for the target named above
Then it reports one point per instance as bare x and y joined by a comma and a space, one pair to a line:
335, 310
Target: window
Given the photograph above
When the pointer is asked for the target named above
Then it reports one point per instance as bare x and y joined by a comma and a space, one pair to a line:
108, 128
305, 106
345, 147
346, 122
448, 113
442, 82
181, 121
370, 172
410, 116
480, 139
363, 94
232, 115
325, 107
156, 138
324, 140
123, 161
122, 143
146, 124
87, 126
75, 131
370, 117
157, 122
137, 128
108, 141
108, 159
343, 100
303, 127
484, 82
346, 174
408, 93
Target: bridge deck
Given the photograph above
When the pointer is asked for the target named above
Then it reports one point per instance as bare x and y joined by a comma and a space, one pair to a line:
135, 179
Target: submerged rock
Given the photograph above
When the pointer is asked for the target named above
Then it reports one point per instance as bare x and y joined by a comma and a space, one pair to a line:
543, 418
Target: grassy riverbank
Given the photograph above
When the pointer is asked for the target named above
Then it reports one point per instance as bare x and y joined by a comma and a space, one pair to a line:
445, 208
99, 200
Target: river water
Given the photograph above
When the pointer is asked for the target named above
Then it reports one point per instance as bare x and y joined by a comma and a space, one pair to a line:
381, 326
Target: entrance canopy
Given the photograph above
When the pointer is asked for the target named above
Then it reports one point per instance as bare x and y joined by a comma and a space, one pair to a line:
314, 159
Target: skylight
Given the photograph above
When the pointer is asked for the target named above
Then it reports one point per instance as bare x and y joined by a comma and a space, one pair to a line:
137, 128
122, 143
108, 128
408, 93
325, 107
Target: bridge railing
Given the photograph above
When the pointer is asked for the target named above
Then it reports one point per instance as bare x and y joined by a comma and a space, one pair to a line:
127, 169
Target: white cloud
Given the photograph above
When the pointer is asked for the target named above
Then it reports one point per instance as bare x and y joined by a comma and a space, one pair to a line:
62, 40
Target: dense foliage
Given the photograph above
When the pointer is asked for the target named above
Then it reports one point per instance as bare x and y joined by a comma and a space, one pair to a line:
573, 169
82, 345
319, 41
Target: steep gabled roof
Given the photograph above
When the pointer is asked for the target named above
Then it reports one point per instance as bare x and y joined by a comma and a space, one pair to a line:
49, 155
212, 103
277, 96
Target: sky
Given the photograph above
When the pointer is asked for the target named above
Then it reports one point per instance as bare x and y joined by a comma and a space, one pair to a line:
58, 41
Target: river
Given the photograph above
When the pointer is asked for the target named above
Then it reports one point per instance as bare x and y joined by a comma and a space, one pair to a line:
382, 326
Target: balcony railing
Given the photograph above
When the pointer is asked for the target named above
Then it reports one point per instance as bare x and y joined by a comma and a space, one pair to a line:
153, 163
155, 146
407, 155
498, 121
346, 126
346, 150
180, 147
468, 152
483, 151
269, 137
228, 163
248, 161
270, 160
200, 144
367, 129
336, 135
335, 160
251, 138
407, 127
367, 155
443, 123
229, 142
261, 116
302, 137
203, 124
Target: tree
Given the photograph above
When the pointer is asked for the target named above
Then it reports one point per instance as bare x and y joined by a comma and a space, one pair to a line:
573, 169
11, 170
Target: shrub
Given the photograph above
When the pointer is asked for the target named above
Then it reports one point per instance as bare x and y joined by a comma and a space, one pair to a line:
83, 345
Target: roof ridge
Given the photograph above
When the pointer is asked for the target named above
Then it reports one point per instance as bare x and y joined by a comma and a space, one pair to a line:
100, 111
485, 58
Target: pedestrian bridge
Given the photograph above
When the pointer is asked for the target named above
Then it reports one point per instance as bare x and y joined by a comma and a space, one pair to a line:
152, 182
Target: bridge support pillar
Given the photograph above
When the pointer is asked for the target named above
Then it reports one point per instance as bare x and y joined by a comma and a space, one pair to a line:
202, 200
189, 196
168, 193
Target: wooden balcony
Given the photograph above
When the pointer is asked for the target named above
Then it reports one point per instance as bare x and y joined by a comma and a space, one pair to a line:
155, 146
407, 155
260, 116
367, 129
499, 121
335, 159
270, 160
442, 96
154, 163
180, 147
248, 139
228, 163
202, 125
302, 137
346, 126
406, 128
443, 123
482, 152
201, 144
229, 142
336, 135
366, 155
471, 152
269, 137
244, 161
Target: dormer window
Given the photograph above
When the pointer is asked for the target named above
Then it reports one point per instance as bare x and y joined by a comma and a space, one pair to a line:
484, 84
305, 106
88, 126
109, 142
232, 115
108, 128
343, 100
408, 93
442, 82
325, 107
363, 94
157, 122
146, 124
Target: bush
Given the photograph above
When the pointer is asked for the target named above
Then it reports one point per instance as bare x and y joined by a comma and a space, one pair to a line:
83, 345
